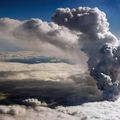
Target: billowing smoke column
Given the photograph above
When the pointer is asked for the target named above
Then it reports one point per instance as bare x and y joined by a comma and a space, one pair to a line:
83, 29
101, 46
106, 72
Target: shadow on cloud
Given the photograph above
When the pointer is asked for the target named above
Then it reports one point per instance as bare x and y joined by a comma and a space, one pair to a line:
53, 93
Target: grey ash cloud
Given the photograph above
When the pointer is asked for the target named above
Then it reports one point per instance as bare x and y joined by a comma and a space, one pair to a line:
99, 44
82, 29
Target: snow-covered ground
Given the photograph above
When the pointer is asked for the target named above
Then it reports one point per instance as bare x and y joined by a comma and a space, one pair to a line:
51, 91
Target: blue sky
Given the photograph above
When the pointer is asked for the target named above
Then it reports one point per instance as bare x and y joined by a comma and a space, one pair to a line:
43, 9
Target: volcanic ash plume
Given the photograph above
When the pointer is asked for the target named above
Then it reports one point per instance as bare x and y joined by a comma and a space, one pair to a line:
73, 31
100, 45
106, 72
